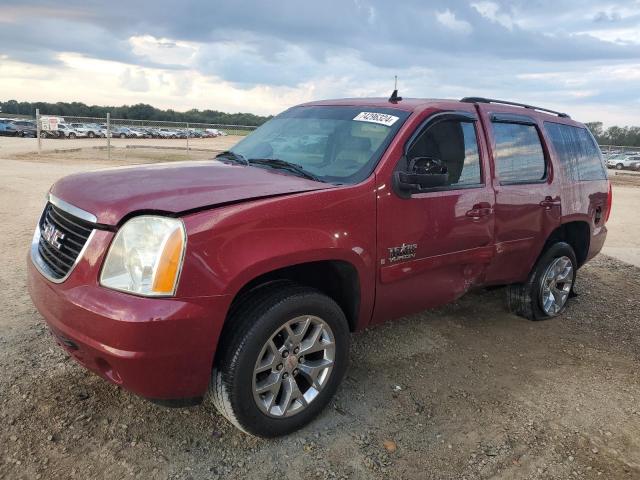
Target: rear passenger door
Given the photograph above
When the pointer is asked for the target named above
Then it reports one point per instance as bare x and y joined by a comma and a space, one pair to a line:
528, 203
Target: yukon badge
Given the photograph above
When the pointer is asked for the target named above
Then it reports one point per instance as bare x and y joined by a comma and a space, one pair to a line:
52, 235
403, 252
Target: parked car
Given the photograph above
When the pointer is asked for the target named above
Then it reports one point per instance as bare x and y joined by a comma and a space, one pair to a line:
622, 161
121, 132
210, 133
6, 127
87, 130
67, 131
634, 162
137, 133
168, 133
24, 128
245, 276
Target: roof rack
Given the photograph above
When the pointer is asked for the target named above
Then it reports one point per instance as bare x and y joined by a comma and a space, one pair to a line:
515, 104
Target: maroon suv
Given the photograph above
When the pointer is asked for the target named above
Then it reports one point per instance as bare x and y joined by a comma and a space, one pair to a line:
245, 275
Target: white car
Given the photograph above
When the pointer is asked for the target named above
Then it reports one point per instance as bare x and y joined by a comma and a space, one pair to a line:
88, 130
67, 131
136, 133
621, 161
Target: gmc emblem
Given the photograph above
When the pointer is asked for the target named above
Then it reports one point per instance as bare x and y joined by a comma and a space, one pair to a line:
52, 235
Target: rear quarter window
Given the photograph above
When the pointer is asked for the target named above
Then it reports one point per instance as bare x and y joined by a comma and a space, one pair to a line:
579, 156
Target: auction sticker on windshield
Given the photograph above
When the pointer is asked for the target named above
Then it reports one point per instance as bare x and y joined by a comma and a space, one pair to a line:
381, 118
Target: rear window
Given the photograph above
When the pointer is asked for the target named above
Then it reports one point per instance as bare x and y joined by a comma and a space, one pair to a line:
579, 155
518, 153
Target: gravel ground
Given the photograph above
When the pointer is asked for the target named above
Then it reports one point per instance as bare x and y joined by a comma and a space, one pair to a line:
465, 391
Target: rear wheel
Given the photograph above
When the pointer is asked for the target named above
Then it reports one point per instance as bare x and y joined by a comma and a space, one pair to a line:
283, 362
91, 135
122, 135
549, 286
72, 135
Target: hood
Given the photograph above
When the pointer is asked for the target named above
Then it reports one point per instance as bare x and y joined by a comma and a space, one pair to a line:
174, 187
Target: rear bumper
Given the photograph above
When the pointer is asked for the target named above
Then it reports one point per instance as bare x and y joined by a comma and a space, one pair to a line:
161, 349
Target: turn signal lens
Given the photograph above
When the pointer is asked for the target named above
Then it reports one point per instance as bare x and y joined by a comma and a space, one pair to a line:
169, 264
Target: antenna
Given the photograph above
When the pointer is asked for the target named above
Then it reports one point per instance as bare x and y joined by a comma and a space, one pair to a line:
394, 98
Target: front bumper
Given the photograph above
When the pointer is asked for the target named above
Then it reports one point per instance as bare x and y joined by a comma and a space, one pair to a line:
159, 348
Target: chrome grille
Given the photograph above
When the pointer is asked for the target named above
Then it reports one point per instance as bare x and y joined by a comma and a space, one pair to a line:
62, 237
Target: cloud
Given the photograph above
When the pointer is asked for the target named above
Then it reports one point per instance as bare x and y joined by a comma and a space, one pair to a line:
135, 81
449, 20
270, 53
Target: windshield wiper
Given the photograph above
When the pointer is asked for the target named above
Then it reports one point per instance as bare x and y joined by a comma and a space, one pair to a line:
284, 165
233, 156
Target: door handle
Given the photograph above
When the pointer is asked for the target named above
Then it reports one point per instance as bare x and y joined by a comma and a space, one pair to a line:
480, 210
549, 202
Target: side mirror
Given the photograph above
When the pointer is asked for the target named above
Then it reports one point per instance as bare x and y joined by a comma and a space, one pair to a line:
422, 173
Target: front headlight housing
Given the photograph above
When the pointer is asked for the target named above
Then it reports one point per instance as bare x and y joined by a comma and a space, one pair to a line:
145, 257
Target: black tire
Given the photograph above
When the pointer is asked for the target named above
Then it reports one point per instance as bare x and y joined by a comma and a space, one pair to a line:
619, 166
122, 135
91, 135
72, 136
524, 299
259, 315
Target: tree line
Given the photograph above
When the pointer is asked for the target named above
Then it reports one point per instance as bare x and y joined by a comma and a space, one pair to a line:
627, 136
140, 111
623, 136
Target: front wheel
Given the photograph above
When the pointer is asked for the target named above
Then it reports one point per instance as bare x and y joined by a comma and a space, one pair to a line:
283, 360
550, 284
619, 166
72, 136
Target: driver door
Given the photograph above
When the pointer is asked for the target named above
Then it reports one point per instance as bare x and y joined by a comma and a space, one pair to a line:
434, 245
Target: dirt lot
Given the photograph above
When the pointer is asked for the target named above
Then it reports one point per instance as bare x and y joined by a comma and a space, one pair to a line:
465, 391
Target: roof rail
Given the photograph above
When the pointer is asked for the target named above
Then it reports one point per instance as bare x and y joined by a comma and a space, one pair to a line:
515, 104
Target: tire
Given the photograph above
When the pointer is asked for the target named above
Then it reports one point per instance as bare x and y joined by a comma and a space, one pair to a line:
91, 135
72, 136
619, 166
528, 299
122, 135
258, 333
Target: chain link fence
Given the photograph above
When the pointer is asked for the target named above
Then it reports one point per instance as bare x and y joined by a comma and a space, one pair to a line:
110, 133
611, 150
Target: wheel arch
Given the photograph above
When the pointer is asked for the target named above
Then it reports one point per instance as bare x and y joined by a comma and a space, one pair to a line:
338, 279
575, 233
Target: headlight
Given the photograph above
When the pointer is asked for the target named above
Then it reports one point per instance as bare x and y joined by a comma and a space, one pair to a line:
146, 256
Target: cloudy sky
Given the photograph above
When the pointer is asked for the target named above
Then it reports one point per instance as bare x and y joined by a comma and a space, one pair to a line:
579, 56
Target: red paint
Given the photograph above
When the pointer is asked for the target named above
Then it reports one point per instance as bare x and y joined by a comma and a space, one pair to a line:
246, 222
172, 187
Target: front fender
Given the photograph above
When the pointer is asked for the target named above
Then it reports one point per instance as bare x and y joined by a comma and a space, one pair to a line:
227, 247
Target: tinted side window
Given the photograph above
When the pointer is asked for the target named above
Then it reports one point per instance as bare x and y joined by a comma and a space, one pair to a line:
518, 153
579, 156
454, 143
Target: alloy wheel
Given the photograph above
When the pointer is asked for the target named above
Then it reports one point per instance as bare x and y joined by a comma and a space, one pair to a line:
293, 366
556, 285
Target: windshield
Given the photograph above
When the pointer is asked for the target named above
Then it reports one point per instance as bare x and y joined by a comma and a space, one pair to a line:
335, 144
